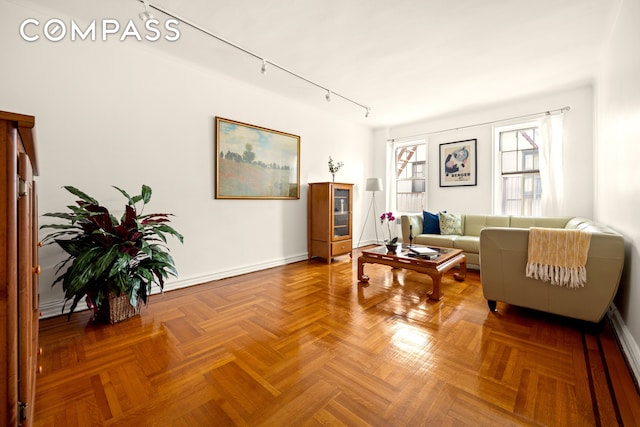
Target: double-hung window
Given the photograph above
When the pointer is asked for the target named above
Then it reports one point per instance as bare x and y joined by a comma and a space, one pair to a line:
409, 176
518, 184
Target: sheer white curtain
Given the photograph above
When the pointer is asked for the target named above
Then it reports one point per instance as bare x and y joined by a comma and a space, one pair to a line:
551, 161
391, 175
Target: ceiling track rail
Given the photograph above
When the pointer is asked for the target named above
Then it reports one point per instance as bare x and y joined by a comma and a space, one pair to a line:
525, 116
264, 62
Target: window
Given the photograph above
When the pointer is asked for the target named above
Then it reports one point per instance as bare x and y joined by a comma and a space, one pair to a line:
410, 171
519, 187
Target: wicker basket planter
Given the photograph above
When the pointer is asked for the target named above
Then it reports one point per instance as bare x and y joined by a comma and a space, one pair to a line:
116, 308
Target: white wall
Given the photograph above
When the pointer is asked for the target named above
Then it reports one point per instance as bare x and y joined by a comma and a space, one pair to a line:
121, 113
617, 189
577, 149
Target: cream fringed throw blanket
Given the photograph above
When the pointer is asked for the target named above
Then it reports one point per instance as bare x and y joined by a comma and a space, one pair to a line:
558, 255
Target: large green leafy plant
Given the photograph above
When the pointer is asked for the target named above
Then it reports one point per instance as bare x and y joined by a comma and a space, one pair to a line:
107, 254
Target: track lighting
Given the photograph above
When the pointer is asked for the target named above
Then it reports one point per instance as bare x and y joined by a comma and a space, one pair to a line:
366, 114
146, 15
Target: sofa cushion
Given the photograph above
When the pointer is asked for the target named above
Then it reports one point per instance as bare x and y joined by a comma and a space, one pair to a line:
469, 244
430, 223
450, 223
436, 240
547, 222
474, 223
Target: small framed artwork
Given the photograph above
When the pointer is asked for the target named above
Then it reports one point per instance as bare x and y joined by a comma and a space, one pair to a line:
458, 163
253, 162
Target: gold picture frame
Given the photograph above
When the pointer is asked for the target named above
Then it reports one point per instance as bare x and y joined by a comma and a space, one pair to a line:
253, 162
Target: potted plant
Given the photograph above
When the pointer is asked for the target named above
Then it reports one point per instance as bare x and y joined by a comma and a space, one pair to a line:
392, 243
112, 262
334, 168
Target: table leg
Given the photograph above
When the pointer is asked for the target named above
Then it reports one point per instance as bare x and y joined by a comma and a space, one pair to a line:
361, 276
462, 273
435, 294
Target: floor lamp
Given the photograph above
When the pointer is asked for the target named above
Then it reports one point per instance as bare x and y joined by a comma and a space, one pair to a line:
373, 185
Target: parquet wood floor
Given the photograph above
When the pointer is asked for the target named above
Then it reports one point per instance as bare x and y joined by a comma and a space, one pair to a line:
305, 344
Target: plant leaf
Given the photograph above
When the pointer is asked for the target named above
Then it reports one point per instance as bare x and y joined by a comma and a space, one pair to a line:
161, 229
125, 194
62, 215
129, 217
146, 193
81, 195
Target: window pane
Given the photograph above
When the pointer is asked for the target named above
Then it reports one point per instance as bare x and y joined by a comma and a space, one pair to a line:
508, 141
410, 202
510, 161
418, 169
527, 139
527, 160
411, 171
511, 194
512, 186
402, 174
403, 186
528, 186
521, 194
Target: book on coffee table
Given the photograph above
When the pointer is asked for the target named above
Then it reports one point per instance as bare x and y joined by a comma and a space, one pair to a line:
423, 251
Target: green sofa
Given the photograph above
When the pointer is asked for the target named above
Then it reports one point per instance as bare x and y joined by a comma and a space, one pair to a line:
469, 241
498, 245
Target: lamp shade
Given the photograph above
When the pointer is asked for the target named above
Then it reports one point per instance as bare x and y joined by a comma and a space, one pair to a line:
374, 184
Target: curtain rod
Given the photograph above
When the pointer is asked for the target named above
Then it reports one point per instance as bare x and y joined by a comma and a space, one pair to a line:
548, 112
255, 55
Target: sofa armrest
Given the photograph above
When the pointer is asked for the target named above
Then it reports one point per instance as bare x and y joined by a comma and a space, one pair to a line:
413, 220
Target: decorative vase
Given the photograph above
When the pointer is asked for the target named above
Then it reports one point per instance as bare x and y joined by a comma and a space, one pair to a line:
392, 248
333, 177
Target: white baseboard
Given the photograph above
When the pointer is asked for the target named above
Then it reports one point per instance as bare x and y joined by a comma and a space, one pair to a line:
367, 242
629, 346
218, 275
54, 308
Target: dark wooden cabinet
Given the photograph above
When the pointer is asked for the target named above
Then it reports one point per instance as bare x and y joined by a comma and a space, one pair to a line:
329, 215
19, 269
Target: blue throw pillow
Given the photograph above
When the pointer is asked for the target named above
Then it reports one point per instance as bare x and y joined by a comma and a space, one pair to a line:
430, 223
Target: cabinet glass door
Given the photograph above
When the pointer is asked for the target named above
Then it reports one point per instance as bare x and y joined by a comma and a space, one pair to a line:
341, 212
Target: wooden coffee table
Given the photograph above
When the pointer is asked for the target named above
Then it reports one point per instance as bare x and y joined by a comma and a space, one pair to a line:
403, 258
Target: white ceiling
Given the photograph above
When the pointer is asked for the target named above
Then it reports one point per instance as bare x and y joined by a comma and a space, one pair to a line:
406, 59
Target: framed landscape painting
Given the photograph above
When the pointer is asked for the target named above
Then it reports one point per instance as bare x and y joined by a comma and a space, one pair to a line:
253, 162
458, 162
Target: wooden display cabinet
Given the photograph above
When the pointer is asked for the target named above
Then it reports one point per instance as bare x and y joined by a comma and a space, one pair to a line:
19, 270
330, 219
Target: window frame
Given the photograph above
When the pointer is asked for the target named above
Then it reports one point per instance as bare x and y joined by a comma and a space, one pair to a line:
392, 182
498, 175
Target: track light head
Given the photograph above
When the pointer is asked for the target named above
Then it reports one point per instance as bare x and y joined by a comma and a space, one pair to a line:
367, 112
263, 69
328, 96
146, 15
